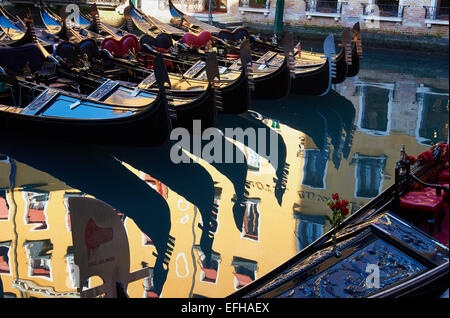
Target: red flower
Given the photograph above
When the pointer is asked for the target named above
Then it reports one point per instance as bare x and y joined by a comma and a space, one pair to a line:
344, 211
344, 202
336, 205
335, 196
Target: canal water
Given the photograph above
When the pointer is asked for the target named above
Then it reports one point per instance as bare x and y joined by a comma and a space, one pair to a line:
260, 214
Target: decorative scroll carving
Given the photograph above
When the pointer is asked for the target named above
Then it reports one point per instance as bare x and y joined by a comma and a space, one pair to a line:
40, 102
349, 277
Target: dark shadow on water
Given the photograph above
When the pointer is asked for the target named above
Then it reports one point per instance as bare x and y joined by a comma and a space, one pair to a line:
247, 120
320, 117
97, 171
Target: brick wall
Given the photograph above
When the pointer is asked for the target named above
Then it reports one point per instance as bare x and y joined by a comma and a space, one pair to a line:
413, 21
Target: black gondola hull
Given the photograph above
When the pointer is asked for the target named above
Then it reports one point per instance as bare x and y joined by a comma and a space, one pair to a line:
235, 98
150, 127
274, 85
202, 108
341, 69
353, 69
314, 82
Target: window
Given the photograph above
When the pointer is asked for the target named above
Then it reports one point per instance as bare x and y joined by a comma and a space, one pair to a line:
196, 6
261, 6
217, 5
384, 10
324, 8
388, 8
374, 116
432, 122
436, 12
315, 168
368, 175
441, 10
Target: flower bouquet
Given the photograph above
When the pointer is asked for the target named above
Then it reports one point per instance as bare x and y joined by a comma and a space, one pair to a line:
340, 211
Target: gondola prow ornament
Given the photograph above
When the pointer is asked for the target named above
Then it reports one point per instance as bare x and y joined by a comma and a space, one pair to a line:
101, 248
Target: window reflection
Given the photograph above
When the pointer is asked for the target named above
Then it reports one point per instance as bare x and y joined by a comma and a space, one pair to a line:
432, 125
68, 195
375, 108
309, 229
148, 283
35, 214
4, 257
4, 206
250, 227
368, 175
39, 258
244, 271
157, 185
253, 159
209, 270
315, 168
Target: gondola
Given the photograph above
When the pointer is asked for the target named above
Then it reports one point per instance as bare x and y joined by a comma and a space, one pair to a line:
351, 58
231, 89
41, 70
270, 78
380, 250
101, 117
16, 33
315, 79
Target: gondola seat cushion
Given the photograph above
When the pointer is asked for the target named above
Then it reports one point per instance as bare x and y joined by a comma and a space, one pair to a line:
111, 45
425, 156
14, 59
197, 41
90, 48
235, 36
163, 42
444, 176
68, 52
128, 43
425, 201
431, 190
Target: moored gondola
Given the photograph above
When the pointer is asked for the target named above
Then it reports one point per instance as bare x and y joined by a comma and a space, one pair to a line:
379, 250
270, 82
231, 88
101, 117
34, 71
302, 59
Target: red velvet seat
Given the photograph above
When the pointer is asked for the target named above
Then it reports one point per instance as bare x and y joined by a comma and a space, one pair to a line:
196, 41
112, 45
425, 201
443, 176
128, 43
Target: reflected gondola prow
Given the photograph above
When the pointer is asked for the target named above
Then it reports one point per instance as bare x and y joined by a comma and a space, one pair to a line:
101, 248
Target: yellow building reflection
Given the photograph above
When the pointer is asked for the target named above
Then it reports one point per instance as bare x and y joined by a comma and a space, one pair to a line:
354, 154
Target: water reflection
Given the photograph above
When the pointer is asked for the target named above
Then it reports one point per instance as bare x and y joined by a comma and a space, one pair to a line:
207, 229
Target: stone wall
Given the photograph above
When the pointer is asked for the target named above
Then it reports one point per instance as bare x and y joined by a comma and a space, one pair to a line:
413, 21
